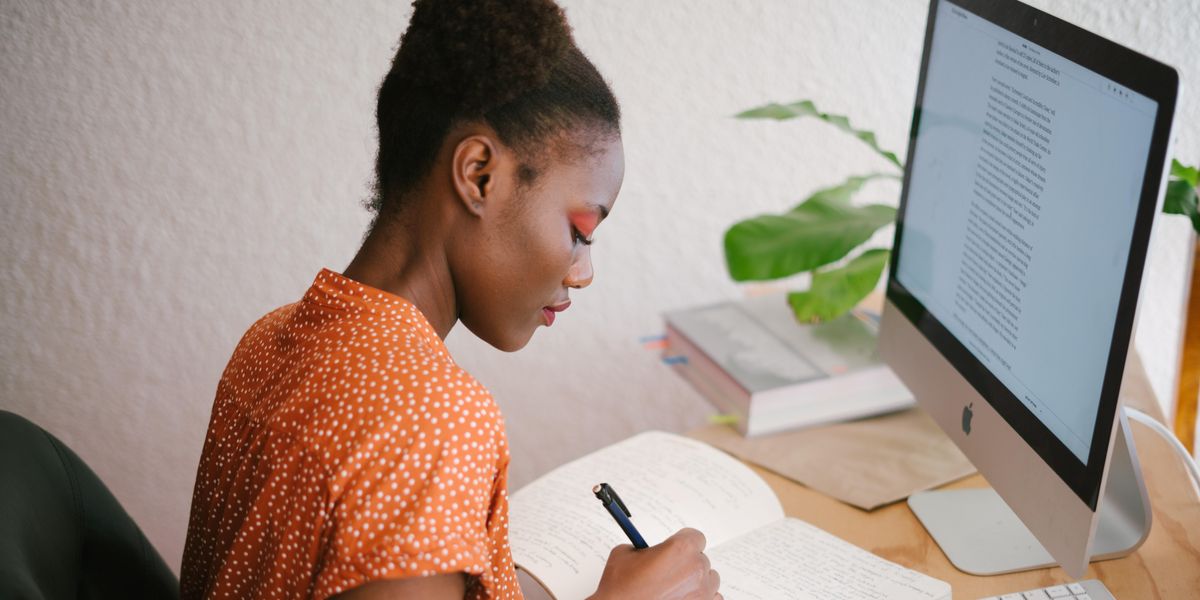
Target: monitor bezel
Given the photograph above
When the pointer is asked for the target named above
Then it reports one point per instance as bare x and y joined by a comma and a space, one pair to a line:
1144, 75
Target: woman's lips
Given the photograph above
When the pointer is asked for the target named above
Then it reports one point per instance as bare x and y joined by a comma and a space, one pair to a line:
549, 311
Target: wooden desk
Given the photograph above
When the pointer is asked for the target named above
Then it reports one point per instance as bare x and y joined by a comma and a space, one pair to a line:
1166, 566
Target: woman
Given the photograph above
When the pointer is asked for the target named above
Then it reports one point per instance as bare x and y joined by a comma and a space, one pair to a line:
347, 454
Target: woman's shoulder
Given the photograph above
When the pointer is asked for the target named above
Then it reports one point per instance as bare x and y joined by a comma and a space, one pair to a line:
405, 420
401, 361
401, 390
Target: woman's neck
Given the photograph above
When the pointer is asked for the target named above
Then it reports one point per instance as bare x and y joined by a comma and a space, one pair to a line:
408, 261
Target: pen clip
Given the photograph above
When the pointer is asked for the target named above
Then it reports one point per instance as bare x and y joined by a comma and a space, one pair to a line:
608, 495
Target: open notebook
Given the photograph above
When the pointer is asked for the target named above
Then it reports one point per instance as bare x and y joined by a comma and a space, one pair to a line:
561, 535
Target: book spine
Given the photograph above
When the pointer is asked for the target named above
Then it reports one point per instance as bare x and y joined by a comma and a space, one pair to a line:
725, 393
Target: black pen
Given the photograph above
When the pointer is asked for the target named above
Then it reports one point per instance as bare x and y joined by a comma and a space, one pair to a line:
611, 501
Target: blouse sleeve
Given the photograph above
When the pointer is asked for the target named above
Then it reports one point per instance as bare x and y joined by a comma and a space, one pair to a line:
412, 499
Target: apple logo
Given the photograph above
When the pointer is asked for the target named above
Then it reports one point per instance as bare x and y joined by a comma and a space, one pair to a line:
966, 421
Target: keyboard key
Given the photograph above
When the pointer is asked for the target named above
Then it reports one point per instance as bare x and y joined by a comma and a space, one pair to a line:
1091, 589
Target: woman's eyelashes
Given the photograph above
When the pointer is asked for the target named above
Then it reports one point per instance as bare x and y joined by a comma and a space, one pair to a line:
579, 237
583, 225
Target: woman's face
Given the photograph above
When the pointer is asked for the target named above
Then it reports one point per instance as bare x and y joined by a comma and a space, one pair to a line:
535, 246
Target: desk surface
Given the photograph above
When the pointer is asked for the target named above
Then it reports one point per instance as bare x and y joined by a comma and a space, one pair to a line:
1166, 566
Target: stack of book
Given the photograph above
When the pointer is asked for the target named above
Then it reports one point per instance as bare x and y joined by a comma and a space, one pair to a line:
753, 361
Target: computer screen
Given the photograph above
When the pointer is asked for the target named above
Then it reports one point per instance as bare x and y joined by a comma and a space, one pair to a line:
1025, 182
1035, 168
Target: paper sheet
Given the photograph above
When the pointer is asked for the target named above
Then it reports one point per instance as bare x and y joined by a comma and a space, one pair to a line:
561, 534
866, 463
792, 559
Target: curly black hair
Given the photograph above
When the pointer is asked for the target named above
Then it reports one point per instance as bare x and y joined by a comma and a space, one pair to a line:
510, 63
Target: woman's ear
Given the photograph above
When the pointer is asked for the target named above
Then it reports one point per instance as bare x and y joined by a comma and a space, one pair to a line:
475, 166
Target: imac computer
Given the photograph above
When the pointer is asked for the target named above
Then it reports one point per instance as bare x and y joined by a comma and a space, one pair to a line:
1036, 163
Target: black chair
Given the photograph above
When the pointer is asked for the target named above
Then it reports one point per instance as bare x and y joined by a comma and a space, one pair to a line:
62, 533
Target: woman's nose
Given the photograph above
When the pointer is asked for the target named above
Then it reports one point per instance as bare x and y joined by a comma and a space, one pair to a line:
580, 274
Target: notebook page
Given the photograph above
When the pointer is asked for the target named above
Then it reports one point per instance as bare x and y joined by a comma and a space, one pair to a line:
792, 559
561, 534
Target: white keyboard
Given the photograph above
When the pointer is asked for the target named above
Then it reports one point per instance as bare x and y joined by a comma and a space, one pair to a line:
1091, 589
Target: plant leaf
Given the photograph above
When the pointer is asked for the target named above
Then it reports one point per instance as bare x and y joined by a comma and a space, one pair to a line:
805, 108
822, 229
842, 192
1184, 172
1181, 200
1182, 196
836, 291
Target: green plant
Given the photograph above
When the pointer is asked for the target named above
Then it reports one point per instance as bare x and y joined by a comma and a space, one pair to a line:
1182, 195
825, 228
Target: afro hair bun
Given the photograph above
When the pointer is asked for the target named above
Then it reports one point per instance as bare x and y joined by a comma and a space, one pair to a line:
479, 54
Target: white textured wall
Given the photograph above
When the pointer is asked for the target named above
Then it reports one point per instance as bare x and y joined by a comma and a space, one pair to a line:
170, 171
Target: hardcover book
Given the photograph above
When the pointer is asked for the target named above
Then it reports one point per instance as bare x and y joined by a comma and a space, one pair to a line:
752, 360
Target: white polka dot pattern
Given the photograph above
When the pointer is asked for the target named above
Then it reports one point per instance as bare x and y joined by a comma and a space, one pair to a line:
346, 446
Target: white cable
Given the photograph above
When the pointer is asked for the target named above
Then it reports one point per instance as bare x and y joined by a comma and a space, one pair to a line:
1165, 433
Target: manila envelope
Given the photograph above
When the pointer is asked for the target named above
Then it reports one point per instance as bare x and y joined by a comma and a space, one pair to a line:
867, 463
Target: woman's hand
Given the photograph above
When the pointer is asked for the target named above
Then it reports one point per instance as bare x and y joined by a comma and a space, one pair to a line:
676, 569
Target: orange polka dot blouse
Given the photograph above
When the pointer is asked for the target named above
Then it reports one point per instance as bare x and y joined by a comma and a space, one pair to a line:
346, 446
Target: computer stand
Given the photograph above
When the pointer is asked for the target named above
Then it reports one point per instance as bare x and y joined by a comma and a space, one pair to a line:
982, 536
